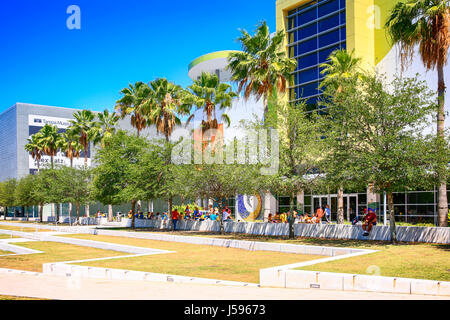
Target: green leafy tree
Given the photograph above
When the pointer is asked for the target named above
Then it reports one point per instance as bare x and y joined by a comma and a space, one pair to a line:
426, 24
7, 194
24, 192
223, 181
263, 67
124, 172
340, 68
376, 133
75, 186
301, 147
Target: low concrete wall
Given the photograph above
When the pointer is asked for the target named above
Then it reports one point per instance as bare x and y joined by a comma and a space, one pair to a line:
299, 279
326, 231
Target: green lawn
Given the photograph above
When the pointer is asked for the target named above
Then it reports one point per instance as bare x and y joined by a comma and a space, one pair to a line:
197, 260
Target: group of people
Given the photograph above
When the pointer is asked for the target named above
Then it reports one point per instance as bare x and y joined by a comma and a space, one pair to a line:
369, 218
302, 218
198, 214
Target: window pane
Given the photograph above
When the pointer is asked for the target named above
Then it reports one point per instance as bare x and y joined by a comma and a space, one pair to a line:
343, 17
307, 31
421, 210
308, 75
306, 17
329, 38
307, 46
324, 54
420, 197
329, 23
343, 33
399, 198
307, 200
308, 90
307, 61
328, 7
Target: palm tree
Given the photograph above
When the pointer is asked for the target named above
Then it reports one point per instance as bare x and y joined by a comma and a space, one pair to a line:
263, 68
341, 65
166, 103
71, 145
82, 125
104, 128
208, 93
426, 23
35, 148
131, 103
51, 141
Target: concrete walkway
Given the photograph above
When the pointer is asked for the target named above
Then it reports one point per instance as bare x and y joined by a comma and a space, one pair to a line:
62, 288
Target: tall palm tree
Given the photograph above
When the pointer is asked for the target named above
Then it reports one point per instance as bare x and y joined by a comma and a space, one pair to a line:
131, 104
208, 93
51, 141
71, 145
426, 23
166, 104
35, 148
104, 127
82, 125
341, 65
263, 68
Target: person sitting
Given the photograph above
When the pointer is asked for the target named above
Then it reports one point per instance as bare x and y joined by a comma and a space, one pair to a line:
319, 215
141, 215
269, 218
369, 221
276, 218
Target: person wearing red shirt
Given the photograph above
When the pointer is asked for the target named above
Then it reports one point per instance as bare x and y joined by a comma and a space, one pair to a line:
369, 221
175, 218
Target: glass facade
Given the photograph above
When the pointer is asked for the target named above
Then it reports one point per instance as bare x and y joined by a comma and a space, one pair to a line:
314, 31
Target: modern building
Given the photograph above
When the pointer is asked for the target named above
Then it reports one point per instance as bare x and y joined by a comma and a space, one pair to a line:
315, 28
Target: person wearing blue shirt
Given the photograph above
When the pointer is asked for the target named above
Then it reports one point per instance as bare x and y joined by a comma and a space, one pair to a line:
328, 213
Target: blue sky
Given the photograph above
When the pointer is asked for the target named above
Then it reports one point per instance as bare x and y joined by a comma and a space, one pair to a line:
120, 41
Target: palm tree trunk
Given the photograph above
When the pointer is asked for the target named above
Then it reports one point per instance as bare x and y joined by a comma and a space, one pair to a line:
133, 209
51, 157
390, 199
291, 216
443, 201
169, 214
78, 212
340, 215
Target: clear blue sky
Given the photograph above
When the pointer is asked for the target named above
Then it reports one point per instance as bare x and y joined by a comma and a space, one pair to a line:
120, 41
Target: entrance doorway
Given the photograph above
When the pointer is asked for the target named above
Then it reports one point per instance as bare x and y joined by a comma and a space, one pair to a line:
350, 205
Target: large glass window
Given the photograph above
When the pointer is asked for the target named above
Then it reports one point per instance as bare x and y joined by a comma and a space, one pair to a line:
316, 29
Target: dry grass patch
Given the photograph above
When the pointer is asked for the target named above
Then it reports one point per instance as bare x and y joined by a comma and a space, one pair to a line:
52, 252
23, 229
196, 260
420, 261
406, 260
